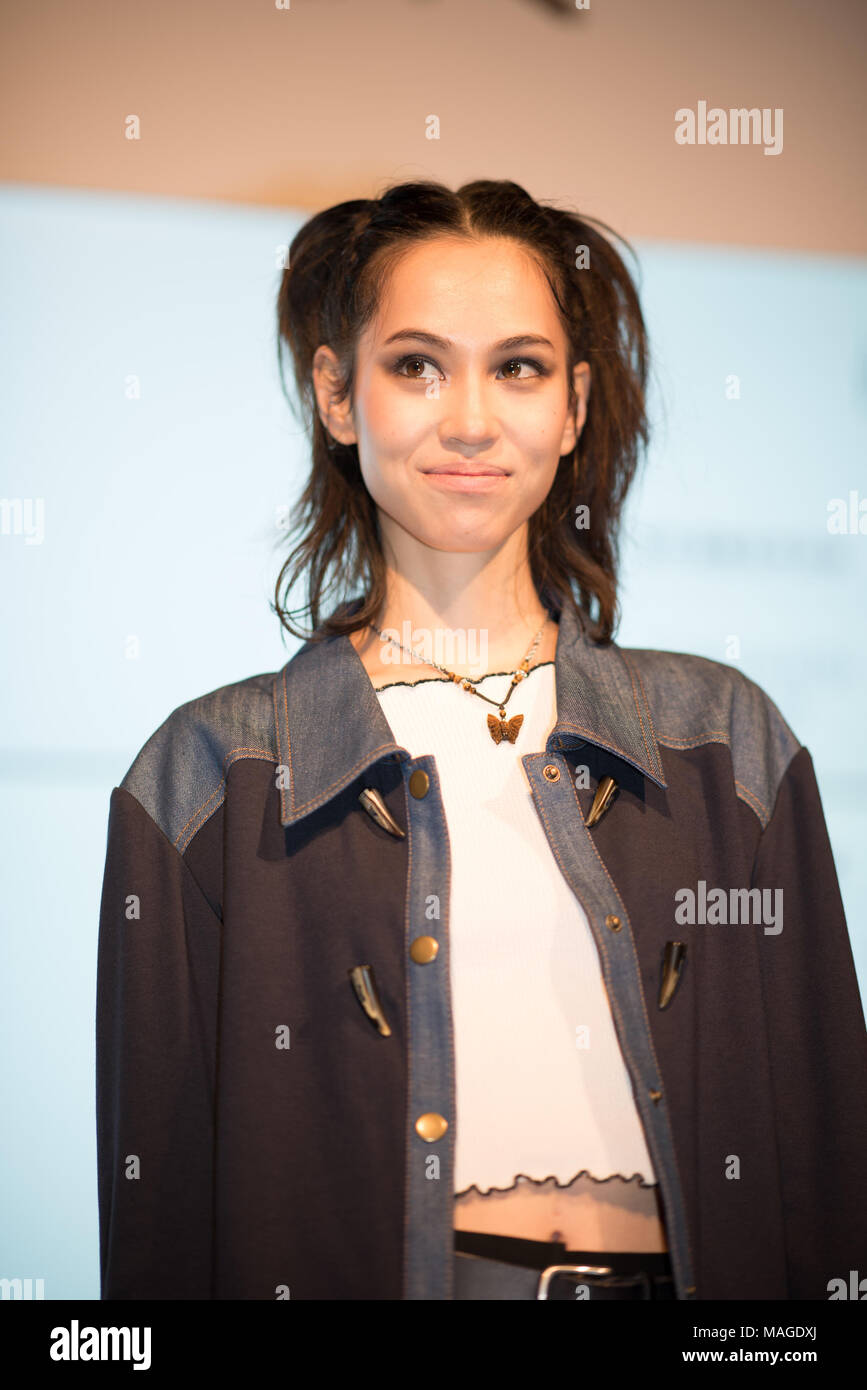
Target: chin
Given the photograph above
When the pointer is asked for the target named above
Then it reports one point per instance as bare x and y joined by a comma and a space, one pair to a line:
442, 539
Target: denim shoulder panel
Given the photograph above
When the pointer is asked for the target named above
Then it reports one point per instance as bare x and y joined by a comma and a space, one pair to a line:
694, 700
179, 774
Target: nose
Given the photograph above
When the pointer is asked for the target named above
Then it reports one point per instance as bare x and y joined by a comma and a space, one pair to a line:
467, 422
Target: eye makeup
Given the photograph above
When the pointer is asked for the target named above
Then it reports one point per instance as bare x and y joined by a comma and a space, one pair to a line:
396, 368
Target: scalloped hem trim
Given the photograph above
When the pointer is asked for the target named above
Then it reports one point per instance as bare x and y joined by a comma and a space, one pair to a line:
540, 1182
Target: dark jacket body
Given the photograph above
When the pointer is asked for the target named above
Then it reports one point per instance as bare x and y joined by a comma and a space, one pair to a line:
259, 1137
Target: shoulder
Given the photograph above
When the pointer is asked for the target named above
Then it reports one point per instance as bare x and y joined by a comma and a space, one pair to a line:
693, 700
179, 774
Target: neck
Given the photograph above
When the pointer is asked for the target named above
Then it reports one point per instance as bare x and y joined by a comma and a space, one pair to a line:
471, 613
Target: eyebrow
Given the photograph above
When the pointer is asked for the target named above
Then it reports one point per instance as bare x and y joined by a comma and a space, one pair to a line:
505, 345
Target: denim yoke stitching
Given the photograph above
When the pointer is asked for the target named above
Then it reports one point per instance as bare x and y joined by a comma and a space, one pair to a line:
235, 755
614, 1001
752, 801
693, 740
720, 736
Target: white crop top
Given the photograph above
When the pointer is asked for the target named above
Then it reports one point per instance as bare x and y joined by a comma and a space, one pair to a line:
541, 1085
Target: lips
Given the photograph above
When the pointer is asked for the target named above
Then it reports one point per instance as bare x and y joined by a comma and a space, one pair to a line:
468, 471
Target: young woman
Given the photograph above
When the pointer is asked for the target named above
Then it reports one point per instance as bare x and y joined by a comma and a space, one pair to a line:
472, 955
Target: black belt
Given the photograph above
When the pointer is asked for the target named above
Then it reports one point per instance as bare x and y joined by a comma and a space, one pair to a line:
504, 1267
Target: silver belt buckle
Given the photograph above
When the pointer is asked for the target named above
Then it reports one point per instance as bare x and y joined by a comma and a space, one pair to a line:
550, 1273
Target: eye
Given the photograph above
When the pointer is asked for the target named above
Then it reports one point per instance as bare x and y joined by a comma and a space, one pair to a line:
406, 361
540, 368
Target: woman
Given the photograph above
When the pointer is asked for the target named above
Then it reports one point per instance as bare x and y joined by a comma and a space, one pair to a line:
471, 955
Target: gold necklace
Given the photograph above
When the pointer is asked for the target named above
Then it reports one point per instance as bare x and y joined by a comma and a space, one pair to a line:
501, 728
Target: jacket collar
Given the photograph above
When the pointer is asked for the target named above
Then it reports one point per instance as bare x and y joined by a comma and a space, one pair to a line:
330, 724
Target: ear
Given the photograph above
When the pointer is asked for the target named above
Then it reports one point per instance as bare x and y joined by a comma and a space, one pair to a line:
335, 415
575, 423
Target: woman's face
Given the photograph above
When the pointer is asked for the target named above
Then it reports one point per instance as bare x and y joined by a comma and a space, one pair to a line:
460, 419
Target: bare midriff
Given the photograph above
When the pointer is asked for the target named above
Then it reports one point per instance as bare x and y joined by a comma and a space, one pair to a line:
586, 1215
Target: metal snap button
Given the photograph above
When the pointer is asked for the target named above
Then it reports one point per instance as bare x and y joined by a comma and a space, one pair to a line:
551, 773
656, 1097
613, 922
424, 949
431, 1127
419, 784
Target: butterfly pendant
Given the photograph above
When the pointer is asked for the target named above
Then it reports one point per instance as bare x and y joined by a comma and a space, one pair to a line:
504, 728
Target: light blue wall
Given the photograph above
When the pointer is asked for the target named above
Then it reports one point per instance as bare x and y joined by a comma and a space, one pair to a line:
160, 525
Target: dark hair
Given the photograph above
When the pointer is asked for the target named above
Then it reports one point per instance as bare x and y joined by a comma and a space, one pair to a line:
330, 290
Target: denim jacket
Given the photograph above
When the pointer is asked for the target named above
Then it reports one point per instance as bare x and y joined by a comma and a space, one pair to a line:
268, 1128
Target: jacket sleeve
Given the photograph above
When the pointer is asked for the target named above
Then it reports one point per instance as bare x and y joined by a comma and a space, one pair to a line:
156, 998
817, 1043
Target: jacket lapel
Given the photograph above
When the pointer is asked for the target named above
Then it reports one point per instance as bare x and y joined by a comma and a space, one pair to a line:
600, 699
